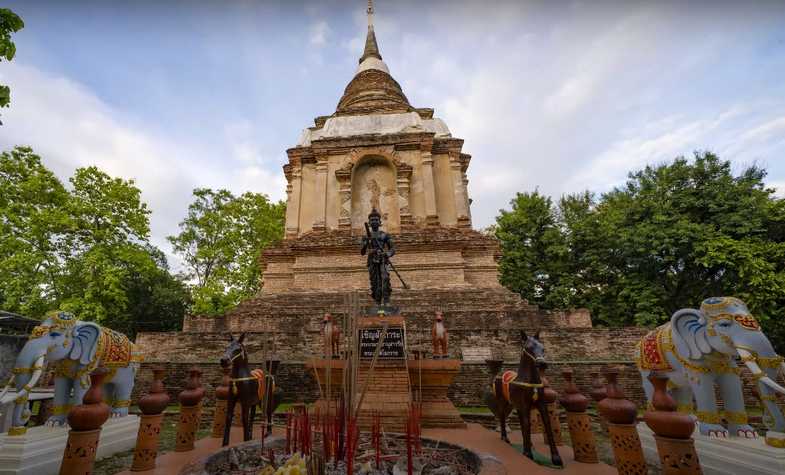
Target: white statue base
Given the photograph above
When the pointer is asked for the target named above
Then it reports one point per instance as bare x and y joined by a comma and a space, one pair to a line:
40, 450
732, 456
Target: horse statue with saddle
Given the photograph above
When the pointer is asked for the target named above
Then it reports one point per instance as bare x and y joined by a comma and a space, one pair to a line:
251, 388
521, 391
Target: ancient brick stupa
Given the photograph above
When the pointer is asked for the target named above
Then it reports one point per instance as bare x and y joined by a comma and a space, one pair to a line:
375, 151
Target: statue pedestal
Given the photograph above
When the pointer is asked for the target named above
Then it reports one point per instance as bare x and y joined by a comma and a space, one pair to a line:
730, 456
430, 381
395, 382
40, 450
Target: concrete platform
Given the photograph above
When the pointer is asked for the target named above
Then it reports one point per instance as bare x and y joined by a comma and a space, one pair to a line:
731, 456
40, 450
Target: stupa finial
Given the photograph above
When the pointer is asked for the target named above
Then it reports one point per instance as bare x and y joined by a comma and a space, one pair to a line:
371, 48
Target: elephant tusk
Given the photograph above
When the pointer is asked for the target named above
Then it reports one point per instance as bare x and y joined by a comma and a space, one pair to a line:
33, 379
7, 386
773, 385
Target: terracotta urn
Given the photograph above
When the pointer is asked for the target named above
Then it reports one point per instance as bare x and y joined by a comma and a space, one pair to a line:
222, 391
93, 412
598, 391
550, 395
156, 400
615, 408
193, 392
572, 400
664, 420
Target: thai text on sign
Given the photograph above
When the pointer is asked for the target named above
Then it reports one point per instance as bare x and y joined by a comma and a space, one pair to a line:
394, 345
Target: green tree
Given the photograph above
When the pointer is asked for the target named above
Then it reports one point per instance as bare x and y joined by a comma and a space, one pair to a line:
221, 240
673, 235
9, 23
32, 224
534, 251
86, 250
108, 229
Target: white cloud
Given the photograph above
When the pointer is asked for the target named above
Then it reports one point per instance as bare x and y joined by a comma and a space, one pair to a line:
71, 127
319, 33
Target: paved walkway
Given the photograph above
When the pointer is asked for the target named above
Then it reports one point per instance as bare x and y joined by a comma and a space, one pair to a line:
508, 460
498, 457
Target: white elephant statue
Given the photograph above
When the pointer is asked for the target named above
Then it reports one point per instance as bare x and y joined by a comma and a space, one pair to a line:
74, 349
698, 349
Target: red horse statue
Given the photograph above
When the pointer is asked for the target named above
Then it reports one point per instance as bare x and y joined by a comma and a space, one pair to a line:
522, 391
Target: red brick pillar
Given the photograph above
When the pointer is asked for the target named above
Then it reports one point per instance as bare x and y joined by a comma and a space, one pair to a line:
190, 412
672, 432
152, 406
579, 423
85, 420
620, 413
221, 396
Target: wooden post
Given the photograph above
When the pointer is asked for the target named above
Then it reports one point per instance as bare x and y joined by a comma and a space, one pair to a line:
152, 406
578, 422
620, 414
85, 420
190, 411
672, 431
221, 396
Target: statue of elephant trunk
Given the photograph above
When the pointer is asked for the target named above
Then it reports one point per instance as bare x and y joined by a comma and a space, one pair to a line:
26, 386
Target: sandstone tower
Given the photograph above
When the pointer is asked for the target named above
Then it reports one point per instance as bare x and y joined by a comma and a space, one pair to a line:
375, 150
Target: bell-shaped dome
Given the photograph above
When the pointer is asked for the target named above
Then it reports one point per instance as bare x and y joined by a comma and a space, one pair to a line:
372, 90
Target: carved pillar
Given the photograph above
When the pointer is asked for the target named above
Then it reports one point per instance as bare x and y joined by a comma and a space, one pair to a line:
404, 185
221, 396
344, 178
152, 406
293, 193
85, 420
431, 216
465, 158
461, 200
672, 432
320, 201
620, 413
578, 422
190, 412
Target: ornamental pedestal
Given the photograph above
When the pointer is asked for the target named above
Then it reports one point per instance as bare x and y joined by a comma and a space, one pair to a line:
620, 415
85, 420
152, 406
578, 422
146, 449
221, 396
190, 412
672, 432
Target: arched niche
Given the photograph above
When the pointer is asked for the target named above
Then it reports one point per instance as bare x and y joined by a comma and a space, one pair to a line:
374, 184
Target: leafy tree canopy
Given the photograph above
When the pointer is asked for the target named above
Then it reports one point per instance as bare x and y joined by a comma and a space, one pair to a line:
673, 235
220, 242
84, 250
9, 23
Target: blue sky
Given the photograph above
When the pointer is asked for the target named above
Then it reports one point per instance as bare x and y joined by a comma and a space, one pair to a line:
560, 96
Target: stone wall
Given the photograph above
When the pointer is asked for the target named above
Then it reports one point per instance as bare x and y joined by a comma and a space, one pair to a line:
583, 349
10, 345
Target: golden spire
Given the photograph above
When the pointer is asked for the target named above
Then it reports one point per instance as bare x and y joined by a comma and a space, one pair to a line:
371, 48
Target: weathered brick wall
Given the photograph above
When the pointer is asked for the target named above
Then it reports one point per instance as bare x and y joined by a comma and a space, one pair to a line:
10, 345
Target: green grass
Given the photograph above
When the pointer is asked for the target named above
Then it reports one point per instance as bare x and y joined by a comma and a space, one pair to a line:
122, 461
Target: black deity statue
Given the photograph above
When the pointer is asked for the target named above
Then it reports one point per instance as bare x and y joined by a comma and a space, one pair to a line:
379, 247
